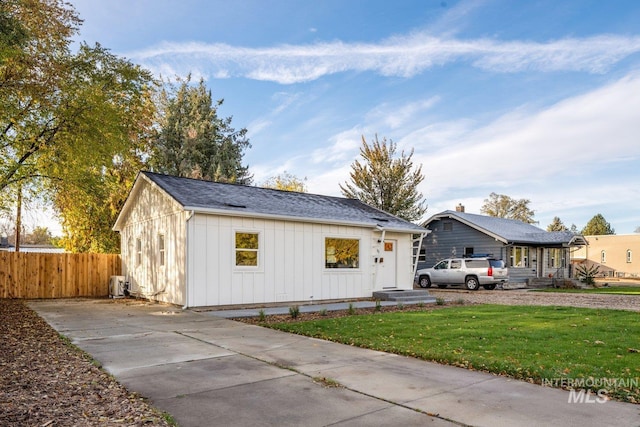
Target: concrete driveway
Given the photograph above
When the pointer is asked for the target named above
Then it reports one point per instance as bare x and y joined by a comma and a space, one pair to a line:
206, 370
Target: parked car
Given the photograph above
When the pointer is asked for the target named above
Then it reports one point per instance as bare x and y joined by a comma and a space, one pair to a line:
470, 272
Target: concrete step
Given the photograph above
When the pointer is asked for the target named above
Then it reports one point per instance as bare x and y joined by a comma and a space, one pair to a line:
404, 295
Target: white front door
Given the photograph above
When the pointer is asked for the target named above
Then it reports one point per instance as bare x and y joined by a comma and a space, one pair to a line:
387, 265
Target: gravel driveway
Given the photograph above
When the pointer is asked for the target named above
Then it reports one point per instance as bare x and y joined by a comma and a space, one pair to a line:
528, 297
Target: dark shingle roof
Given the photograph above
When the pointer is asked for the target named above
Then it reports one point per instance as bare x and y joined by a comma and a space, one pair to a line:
207, 196
510, 230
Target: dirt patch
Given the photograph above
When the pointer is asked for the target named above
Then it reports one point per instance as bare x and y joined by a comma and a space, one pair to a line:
46, 381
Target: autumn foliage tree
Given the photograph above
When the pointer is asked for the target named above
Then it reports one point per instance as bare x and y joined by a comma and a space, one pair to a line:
286, 182
67, 119
386, 181
503, 206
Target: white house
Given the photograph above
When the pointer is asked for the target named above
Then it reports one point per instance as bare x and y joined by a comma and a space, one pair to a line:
199, 243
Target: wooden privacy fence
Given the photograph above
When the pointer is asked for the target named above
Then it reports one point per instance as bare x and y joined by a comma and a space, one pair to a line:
52, 275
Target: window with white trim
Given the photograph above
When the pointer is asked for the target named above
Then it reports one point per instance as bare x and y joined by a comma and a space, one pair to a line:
247, 247
341, 253
603, 257
519, 256
556, 258
138, 251
629, 255
422, 257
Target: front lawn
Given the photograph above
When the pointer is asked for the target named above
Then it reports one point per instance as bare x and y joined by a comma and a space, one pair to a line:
540, 344
621, 290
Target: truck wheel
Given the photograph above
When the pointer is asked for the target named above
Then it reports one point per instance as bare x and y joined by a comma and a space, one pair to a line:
490, 287
472, 283
424, 282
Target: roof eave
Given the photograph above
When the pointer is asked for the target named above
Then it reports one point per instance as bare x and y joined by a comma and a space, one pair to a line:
226, 212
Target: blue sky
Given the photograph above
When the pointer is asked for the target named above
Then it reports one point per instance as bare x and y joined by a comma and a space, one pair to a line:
533, 99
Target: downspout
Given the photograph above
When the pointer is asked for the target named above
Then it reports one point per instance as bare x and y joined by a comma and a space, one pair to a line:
186, 260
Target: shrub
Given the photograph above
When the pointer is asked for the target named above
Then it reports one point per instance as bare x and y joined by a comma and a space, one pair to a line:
323, 312
588, 273
439, 301
378, 305
294, 311
351, 309
261, 315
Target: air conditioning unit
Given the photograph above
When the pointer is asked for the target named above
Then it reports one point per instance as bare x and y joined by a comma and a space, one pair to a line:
117, 286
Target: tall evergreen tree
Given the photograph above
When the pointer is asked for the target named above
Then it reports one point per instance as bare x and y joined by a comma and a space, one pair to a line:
193, 141
556, 225
597, 226
385, 181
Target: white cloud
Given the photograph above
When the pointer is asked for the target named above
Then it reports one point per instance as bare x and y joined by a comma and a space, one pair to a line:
404, 56
344, 148
595, 128
395, 116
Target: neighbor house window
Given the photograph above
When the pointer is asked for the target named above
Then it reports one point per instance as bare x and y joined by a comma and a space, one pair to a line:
519, 256
423, 255
603, 257
161, 249
138, 251
556, 258
247, 245
447, 226
341, 253
468, 252
629, 255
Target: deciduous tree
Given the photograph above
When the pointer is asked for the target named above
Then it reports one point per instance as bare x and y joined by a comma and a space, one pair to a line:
66, 118
385, 181
287, 182
502, 206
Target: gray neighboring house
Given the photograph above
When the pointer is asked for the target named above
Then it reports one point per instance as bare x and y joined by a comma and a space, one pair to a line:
198, 243
528, 251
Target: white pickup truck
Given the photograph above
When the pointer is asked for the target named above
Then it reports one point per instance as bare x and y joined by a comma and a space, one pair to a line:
470, 272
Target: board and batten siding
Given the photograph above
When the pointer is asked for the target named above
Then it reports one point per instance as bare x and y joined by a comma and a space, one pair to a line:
291, 265
153, 215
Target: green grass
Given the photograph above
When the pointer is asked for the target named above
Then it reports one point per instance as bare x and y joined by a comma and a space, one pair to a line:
621, 290
524, 342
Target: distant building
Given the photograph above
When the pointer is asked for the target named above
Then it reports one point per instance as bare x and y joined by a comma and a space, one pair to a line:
615, 255
528, 251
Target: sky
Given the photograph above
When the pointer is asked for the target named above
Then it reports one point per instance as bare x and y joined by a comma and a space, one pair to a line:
537, 100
